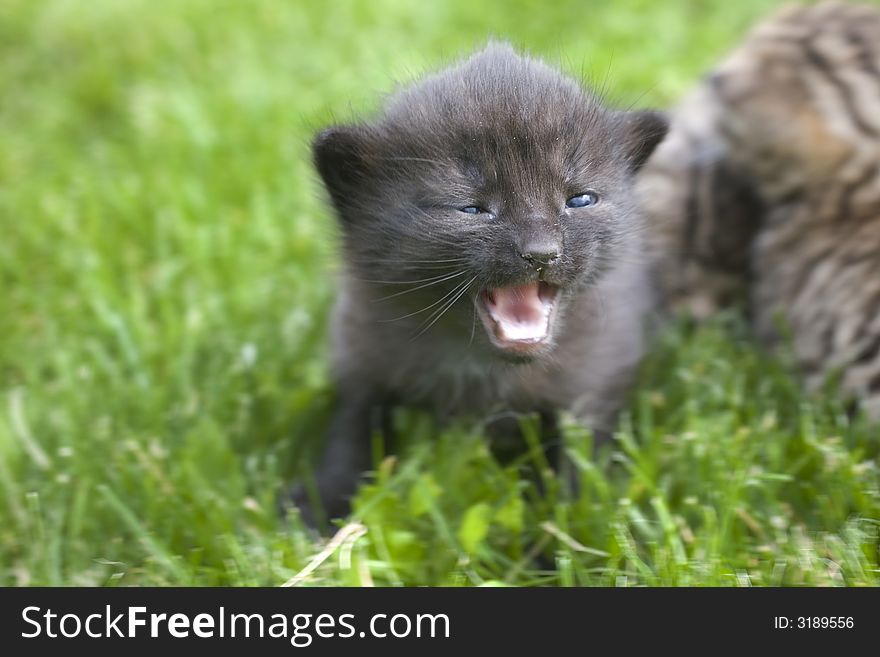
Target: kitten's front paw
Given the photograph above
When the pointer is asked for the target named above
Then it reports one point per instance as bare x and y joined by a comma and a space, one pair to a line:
315, 513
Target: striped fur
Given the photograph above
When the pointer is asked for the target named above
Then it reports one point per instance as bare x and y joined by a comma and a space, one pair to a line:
791, 120
701, 211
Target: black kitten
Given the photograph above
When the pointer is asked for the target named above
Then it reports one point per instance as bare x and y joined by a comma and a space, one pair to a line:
492, 254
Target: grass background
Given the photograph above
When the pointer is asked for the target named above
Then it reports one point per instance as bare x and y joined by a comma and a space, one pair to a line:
166, 264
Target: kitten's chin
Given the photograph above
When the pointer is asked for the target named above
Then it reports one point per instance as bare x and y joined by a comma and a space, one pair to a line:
519, 319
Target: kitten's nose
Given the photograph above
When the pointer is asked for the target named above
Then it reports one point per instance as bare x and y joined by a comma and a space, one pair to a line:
541, 253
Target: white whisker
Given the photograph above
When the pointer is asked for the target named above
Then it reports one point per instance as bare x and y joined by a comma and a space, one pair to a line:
440, 300
421, 280
423, 285
442, 311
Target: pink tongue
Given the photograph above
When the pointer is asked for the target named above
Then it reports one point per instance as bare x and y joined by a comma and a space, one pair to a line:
519, 313
519, 304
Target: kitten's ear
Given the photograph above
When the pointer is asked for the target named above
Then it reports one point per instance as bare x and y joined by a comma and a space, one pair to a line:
644, 130
342, 155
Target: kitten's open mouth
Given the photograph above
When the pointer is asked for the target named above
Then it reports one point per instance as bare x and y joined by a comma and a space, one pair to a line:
519, 318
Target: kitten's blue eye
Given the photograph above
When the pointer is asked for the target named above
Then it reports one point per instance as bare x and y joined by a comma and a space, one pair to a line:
472, 209
584, 200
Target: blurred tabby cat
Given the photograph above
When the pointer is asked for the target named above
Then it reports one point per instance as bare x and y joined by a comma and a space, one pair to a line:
769, 186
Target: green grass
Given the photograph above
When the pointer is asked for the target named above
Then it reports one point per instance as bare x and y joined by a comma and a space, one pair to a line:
166, 264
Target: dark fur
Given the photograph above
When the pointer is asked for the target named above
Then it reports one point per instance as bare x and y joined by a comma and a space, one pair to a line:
512, 135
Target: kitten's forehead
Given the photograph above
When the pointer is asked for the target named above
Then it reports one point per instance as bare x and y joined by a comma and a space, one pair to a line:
498, 96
